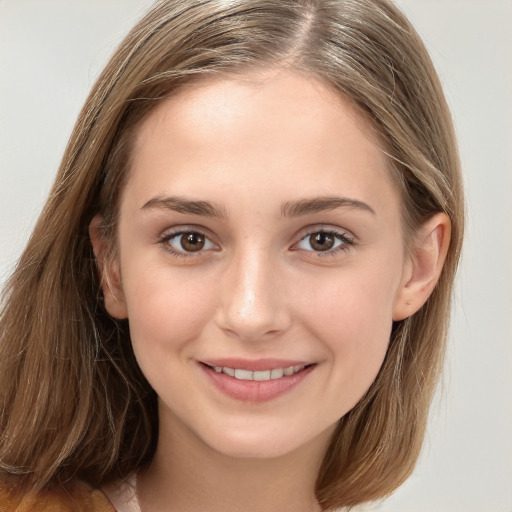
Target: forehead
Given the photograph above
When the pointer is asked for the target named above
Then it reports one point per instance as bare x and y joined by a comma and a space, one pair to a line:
254, 100
281, 129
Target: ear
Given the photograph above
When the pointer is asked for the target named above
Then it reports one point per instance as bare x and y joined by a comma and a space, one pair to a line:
424, 266
108, 270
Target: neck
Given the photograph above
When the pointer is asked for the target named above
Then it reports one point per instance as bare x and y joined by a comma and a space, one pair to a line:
186, 475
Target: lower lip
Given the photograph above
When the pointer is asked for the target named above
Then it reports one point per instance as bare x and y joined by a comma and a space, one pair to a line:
255, 391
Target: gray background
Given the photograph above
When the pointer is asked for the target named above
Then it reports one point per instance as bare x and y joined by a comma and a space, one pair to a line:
52, 50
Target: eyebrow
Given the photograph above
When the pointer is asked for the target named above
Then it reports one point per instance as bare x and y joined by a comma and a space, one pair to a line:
322, 204
288, 209
181, 205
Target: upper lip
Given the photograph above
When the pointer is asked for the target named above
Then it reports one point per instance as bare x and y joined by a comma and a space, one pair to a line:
254, 364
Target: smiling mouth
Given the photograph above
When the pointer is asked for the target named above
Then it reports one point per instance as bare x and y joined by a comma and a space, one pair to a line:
257, 381
261, 375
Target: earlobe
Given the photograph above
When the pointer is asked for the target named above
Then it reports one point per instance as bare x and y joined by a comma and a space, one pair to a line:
108, 271
424, 266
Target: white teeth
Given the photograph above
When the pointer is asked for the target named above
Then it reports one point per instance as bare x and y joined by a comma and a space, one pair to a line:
261, 375
228, 371
277, 373
243, 374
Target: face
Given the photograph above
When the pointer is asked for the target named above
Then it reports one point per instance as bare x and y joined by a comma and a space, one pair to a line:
260, 261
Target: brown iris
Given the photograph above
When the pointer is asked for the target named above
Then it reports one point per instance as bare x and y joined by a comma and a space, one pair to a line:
321, 241
192, 242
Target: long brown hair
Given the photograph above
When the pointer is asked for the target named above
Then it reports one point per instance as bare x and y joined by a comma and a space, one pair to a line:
73, 402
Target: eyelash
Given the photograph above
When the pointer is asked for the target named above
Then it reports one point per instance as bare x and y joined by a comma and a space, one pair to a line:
167, 238
342, 238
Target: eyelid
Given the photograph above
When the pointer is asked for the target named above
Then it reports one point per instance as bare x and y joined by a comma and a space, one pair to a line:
178, 231
346, 237
186, 228
326, 228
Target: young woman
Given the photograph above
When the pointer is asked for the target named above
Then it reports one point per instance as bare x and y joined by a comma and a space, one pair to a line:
237, 295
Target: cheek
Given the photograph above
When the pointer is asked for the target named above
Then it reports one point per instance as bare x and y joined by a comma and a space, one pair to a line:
353, 321
352, 300
165, 310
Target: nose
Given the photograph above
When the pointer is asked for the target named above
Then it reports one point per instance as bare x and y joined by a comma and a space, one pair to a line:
253, 304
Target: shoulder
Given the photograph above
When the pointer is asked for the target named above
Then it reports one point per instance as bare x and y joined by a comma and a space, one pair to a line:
79, 497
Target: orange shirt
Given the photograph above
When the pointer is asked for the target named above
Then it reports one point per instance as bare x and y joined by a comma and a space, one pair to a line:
79, 498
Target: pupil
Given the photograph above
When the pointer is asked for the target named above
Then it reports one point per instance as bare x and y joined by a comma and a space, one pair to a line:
321, 241
192, 242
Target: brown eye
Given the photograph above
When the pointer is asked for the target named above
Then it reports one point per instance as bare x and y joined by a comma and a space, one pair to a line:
184, 243
321, 241
192, 242
328, 242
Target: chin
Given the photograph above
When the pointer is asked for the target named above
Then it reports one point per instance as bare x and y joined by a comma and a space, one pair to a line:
266, 442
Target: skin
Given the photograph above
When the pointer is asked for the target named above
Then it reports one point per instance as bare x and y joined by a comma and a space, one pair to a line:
253, 147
